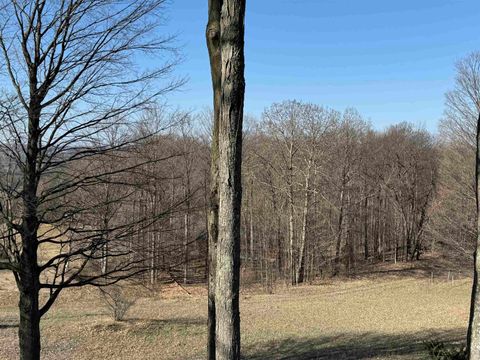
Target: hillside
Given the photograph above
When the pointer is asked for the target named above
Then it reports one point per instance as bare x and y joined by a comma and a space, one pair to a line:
386, 315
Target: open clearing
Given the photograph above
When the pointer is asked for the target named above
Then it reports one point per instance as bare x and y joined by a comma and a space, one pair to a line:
386, 318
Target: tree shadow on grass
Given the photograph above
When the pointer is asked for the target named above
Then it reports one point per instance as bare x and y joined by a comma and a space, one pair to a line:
171, 321
8, 326
351, 346
8, 323
153, 327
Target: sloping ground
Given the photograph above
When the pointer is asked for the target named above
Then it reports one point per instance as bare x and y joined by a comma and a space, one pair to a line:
357, 319
432, 264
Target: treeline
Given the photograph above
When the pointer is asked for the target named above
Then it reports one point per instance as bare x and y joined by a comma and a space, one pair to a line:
323, 194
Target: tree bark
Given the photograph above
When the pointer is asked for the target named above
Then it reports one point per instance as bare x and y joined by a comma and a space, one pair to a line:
28, 280
473, 335
230, 182
29, 327
213, 44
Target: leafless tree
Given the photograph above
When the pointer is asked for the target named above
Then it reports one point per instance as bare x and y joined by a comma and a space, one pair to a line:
72, 77
462, 121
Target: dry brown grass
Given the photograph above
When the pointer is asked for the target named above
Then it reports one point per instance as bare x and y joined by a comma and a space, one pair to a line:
360, 319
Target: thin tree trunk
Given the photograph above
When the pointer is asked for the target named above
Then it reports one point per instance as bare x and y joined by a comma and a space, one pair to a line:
105, 256
153, 265
365, 229
152, 259
230, 181
291, 222
378, 226
339, 235
301, 250
473, 335
279, 227
185, 248
252, 247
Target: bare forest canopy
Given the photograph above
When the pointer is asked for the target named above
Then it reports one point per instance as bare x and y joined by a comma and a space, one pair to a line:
323, 194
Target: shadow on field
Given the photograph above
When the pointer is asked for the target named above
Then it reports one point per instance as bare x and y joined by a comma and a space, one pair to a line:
172, 321
153, 326
8, 323
351, 346
8, 326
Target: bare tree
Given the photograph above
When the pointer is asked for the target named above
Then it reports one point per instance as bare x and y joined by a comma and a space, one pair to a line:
283, 121
462, 121
72, 77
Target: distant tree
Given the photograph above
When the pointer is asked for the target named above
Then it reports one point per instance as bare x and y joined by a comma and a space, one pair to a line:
454, 221
72, 78
296, 132
282, 121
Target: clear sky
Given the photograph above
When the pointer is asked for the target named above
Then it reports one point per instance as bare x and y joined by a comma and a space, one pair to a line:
391, 59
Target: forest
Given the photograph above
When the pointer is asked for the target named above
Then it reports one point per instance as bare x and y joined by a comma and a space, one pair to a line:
324, 194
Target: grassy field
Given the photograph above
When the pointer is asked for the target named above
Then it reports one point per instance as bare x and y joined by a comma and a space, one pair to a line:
386, 318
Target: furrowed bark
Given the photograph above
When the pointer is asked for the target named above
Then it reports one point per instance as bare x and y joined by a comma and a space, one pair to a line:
29, 327
230, 186
213, 44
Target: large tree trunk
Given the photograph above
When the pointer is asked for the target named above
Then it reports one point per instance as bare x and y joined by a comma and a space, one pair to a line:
473, 336
230, 182
28, 279
213, 44
29, 327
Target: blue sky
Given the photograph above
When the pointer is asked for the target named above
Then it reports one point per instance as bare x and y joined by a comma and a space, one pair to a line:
393, 60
